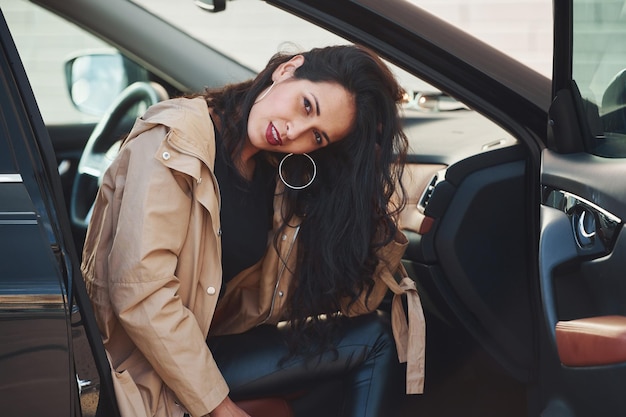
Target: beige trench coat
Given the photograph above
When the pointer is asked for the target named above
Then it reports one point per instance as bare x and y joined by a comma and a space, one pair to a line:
154, 279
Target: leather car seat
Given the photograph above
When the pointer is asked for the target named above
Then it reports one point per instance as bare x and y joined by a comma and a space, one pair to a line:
266, 407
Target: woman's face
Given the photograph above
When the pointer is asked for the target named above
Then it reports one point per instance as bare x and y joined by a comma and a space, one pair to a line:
298, 115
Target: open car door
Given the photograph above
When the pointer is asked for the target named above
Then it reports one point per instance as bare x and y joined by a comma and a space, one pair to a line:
582, 247
51, 356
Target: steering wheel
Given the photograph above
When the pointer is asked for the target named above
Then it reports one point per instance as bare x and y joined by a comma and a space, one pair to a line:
102, 147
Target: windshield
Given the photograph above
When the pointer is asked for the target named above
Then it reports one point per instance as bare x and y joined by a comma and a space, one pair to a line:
521, 29
599, 69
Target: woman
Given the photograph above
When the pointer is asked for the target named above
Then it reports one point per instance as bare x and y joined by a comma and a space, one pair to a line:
191, 212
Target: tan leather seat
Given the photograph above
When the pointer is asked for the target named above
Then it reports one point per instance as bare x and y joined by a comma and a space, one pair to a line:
266, 407
592, 341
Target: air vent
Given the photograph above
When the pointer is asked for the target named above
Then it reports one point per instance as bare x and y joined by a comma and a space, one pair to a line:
428, 191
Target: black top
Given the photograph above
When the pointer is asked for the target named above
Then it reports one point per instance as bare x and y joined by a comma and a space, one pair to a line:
246, 212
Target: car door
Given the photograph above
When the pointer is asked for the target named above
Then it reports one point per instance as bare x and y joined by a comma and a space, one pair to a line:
34, 331
51, 357
582, 247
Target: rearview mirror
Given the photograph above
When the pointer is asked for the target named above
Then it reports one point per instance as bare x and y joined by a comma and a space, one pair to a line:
435, 101
211, 5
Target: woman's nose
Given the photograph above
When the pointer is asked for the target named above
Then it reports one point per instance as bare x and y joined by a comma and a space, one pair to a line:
297, 129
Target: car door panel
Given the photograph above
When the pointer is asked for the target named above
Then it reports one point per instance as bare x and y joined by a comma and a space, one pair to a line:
478, 238
582, 248
51, 355
35, 344
582, 280
468, 254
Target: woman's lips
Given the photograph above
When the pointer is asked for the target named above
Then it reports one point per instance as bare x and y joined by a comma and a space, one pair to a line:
272, 136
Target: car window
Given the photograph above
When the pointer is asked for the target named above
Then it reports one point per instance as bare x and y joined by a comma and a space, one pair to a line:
45, 42
599, 70
521, 29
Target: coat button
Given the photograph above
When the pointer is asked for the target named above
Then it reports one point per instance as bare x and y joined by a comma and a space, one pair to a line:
219, 232
280, 293
284, 237
211, 291
166, 155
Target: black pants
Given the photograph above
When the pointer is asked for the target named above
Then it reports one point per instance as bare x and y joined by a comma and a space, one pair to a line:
365, 362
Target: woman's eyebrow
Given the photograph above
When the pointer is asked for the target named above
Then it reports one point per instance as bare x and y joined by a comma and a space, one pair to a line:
317, 110
317, 104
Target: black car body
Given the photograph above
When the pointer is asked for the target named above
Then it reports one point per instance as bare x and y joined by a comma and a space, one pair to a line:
515, 231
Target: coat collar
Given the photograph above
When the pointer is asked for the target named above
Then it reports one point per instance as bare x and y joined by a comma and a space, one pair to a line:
190, 124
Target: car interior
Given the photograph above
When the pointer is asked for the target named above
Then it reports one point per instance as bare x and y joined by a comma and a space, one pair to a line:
473, 201
466, 185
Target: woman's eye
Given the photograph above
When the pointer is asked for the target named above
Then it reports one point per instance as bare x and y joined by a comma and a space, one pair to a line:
307, 106
318, 138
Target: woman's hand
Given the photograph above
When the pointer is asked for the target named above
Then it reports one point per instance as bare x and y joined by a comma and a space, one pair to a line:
228, 408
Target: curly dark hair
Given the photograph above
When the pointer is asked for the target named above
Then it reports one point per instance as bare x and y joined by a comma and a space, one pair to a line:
349, 211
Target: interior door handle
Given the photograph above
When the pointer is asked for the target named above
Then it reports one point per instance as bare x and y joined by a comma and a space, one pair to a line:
594, 228
582, 226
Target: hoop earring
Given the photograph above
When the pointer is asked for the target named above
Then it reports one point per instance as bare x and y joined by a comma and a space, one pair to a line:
296, 187
266, 92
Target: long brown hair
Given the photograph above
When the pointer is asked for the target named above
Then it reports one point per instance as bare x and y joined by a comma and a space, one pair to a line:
349, 211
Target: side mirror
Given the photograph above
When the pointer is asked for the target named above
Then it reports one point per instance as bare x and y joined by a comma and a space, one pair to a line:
436, 101
211, 5
94, 80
